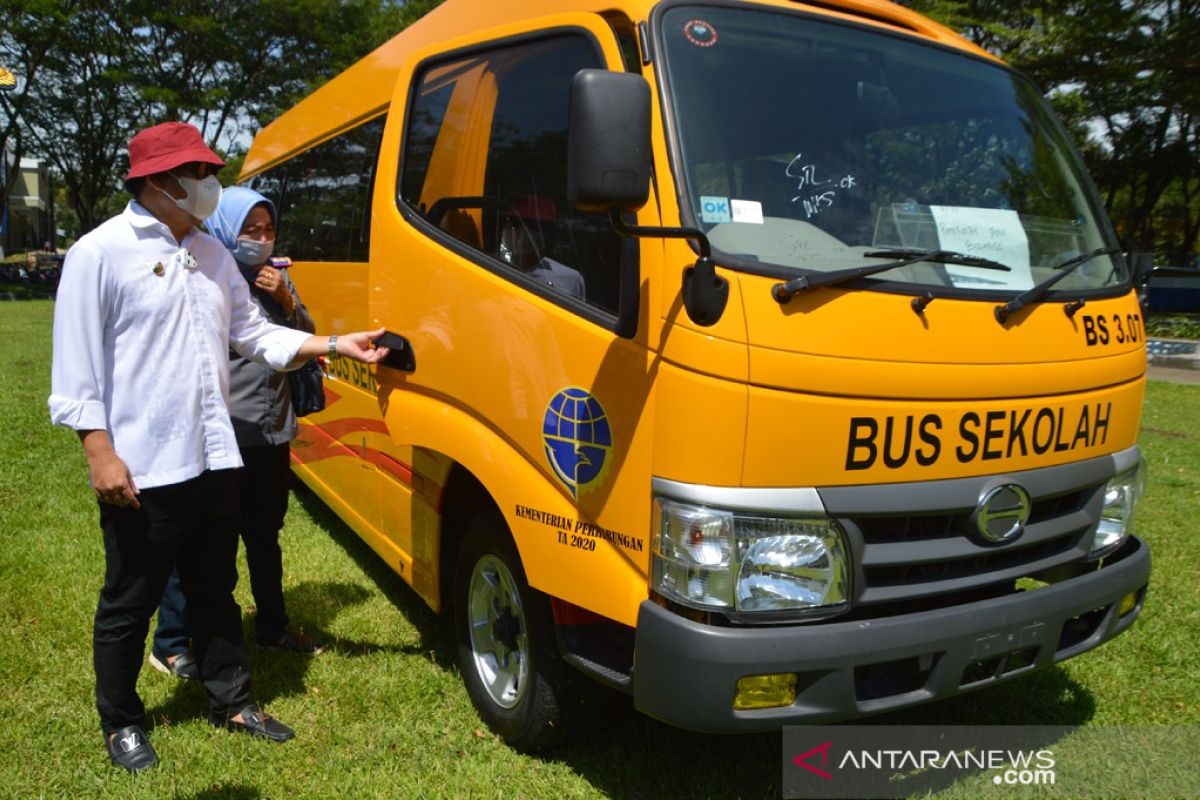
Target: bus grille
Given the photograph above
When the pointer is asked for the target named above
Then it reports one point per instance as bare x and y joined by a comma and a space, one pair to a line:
902, 557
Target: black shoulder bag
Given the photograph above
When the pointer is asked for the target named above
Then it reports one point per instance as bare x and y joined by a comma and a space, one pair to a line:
308, 393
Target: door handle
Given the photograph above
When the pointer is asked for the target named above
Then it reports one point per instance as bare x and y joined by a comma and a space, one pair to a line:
401, 356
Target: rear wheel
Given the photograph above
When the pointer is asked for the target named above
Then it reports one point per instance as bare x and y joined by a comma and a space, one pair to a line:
505, 633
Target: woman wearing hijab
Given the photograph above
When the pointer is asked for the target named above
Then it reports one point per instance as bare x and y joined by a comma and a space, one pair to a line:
264, 422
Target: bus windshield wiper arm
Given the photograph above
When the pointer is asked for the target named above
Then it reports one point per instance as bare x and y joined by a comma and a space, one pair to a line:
940, 257
783, 292
1038, 291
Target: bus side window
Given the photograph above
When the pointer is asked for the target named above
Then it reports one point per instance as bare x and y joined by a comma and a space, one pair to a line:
324, 196
485, 160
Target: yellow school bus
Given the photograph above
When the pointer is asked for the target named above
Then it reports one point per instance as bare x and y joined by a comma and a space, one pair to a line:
770, 361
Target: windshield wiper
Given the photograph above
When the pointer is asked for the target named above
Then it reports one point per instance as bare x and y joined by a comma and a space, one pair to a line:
783, 292
940, 257
1039, 290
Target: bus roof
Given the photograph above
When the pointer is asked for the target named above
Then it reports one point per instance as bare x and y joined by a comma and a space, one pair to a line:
364, 89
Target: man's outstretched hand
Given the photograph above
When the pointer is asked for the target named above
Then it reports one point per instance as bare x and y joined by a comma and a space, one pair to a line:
358, 346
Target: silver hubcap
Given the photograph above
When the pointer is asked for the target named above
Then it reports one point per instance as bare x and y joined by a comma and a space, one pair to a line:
499, 644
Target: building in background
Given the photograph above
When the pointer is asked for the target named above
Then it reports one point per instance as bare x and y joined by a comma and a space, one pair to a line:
27, 220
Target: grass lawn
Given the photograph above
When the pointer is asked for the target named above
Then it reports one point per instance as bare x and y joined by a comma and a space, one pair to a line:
383, 712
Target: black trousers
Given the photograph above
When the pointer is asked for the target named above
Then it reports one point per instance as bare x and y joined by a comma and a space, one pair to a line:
264, 482
190, 526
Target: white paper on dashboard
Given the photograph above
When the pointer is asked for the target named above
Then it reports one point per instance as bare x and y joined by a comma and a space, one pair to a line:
747, 211
993, 233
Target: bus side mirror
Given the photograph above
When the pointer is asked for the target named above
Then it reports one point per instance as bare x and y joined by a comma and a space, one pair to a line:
608, 141
608, 169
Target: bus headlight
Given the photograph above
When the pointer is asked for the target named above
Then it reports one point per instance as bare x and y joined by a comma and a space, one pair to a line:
1121, 497
693, 554
713, 558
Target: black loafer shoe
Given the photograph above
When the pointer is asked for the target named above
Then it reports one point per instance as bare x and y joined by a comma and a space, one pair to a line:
254, 722
130, 749
292, 642
181, 666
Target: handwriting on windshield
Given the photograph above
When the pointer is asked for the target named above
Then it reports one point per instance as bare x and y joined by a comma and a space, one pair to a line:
814, 193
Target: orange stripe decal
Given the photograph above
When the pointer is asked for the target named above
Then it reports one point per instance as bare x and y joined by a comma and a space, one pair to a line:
317, 443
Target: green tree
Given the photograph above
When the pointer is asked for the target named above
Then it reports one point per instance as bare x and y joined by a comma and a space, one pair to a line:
25, 42
233, 64
228, 66
82, 106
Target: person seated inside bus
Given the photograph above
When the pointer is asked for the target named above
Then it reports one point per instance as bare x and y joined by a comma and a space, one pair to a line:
529, 229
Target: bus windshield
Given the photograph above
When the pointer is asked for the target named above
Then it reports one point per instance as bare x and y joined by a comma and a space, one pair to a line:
803, 145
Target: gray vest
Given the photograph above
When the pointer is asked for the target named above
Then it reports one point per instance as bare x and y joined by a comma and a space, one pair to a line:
260, 403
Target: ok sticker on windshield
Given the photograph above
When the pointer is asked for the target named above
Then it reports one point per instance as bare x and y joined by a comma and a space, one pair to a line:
700, 33
715, 209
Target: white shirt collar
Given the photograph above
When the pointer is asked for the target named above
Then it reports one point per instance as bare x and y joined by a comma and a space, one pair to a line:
137, 216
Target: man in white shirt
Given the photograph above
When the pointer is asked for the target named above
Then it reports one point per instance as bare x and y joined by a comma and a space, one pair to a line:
147, 309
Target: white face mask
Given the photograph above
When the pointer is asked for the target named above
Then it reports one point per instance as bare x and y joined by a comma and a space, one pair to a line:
253, 252
202, 195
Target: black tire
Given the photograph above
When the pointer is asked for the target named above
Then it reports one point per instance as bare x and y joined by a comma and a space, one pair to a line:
510, 664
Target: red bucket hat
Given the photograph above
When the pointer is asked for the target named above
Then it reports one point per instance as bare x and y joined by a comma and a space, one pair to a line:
166, 146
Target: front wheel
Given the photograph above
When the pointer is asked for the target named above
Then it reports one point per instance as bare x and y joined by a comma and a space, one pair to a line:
505, 637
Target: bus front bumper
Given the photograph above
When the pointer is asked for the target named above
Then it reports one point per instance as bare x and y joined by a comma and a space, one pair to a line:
686, 673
